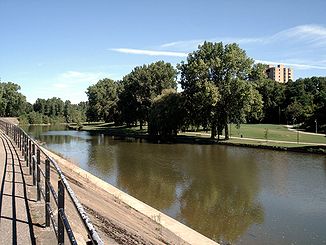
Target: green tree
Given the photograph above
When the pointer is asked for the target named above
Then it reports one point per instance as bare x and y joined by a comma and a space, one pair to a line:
254, 112
306, 102
295, 112
258, 72
35, 118
12, 102
167, 114
273, 96
300, 100
39, 105
141, 86
67, 111
102, 100
219, 68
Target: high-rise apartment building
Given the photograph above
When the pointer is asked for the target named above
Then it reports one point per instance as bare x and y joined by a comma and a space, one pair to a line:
279, 73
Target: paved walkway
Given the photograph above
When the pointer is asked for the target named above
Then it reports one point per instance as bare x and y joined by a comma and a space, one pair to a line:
263, 140
15, 218
290, 127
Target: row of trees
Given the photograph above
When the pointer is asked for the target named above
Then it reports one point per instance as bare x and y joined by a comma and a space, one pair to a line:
220, 85
129, 101
54, 110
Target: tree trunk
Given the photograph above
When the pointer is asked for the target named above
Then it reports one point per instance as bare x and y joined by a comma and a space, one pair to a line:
141, 124
213, 131
226, 131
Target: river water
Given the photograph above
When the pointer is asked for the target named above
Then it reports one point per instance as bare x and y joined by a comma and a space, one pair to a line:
231, 194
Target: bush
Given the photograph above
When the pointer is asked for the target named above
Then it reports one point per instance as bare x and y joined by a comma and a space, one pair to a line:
23, 119
35, 118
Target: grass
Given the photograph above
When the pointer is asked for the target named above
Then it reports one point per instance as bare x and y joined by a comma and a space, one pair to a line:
274, 132
254, 131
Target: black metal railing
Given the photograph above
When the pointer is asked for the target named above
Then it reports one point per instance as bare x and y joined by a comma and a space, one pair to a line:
40, 164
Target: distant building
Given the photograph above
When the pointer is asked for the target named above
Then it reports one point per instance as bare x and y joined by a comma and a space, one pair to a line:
279, 73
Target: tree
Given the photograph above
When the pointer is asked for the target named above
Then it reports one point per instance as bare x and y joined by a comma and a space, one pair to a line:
295, 112
68, 111
218, 68
254, 112
102, 100
167, 114
39, 105
273, 96
12, 102
306, 102
141, 86
258, 72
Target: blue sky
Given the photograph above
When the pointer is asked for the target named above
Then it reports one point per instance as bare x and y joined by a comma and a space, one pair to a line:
59, 48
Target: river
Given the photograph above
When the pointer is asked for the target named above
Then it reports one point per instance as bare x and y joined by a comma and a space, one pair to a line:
231, 194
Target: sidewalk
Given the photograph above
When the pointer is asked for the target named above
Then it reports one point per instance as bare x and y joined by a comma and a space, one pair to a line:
15, 217
290, 127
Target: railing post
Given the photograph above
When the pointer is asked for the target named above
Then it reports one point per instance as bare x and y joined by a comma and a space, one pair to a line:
29, 153
33, 153
19, 140
25, 147
38, 177
61, 207
47, 192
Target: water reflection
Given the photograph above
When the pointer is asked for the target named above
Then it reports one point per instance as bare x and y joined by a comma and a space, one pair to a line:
232, 194
221, 203
149, 178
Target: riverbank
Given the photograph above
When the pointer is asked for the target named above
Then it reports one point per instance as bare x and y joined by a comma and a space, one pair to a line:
120, 217
201, 137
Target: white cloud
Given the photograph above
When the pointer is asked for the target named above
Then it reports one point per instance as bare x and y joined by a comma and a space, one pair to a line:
302, 47
149, 52
185, 44
309, 33
193, 44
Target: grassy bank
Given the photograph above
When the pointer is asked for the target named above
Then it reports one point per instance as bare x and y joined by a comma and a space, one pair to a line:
274, 132
268, 136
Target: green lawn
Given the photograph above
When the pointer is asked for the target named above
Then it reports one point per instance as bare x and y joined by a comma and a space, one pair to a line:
255, 131
274, 132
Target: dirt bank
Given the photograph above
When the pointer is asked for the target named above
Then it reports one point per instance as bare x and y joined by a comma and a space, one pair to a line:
122, 219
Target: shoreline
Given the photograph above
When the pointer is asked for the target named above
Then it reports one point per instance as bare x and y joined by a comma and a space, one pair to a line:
135, 221
189, 139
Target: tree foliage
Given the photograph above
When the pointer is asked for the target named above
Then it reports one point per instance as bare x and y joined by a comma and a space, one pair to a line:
218, 71
12, 102
141, 86
102, 100
220, 83
273, 96
167, 115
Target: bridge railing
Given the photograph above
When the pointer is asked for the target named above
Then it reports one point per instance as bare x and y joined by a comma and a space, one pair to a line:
40, 165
